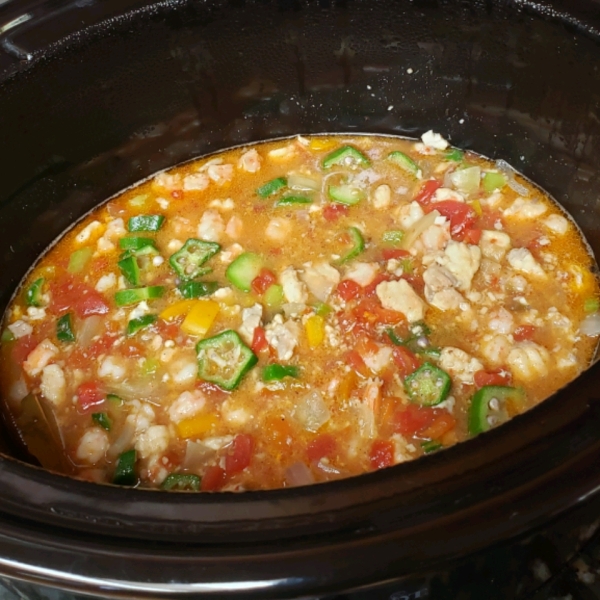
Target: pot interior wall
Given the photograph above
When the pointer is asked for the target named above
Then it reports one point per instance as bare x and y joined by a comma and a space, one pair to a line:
115, 104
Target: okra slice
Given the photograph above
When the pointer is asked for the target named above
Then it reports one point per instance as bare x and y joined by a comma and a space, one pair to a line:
428, 385
346, 156
187, 262
224, 359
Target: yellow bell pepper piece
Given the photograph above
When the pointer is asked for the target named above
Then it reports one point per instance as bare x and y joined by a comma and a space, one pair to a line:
323, 144
196, 426
315, 330
177, 310
200, 317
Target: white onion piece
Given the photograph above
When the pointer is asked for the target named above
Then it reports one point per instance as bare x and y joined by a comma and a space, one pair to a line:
301, 182
413, 233
311, 411
293, 309
508, 172
89, 329
123, 442
196, 455
148, 388
466, 180
298, 474
590, 326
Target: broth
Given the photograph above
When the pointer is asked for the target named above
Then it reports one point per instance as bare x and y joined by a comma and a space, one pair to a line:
296, 311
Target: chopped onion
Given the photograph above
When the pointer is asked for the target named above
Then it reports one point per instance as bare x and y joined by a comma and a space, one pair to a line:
416, 229
508, 172
89, 329
301, 182
466, 180
311, 411
590, 326
298, 474
293, 309
196, 455
123, 441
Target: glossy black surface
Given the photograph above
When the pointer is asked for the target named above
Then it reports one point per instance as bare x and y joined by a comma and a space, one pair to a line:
139, 89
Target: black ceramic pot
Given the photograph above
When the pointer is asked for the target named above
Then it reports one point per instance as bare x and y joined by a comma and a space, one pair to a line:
95, 96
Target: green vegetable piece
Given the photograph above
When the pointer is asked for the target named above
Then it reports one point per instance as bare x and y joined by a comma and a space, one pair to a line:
397, 341
187, 262
358, 245
293, 200
322, 309
182, 482
102, 419
243, 270
224, 359
125, 473
114, 399
591, 305
7, 336
79, 260
136, 295
493, 182
277, 372
346, 194
404, 161
428, 385
454, 154
273, 297
137, 245
130, 269
393, 237
197, 289
33, 295
346, 156
64, 329
272, 187
145, 223
140, 323
150, 366
489, 406
431, 446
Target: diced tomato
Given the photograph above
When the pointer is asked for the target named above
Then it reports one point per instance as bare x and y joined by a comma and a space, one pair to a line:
213, 480
413, 419
348, 290
443, 423
489, 218
397, 253
498, 377
369, 311
524, 332
259, 340
263, 281
472, 236
382, 454
405, 360
169, 330
240, 454
89, 395
461, 216
70, 294
322, 445
91, 303
22, 347
101, 345
355, 361
427, 190
335, 210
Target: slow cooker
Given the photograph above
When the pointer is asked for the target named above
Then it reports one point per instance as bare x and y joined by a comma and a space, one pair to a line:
95, 96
